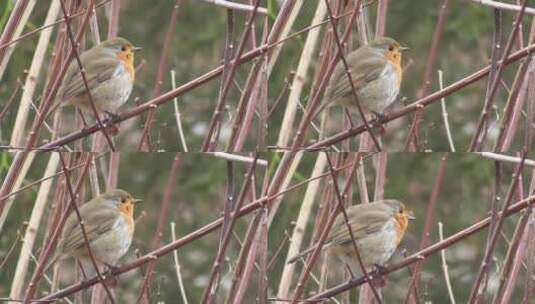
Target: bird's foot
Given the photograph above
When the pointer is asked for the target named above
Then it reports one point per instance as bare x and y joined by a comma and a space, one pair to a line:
380, 118
112, 130
381, 270
378, 280
378, 122
112, 269
110, 123
111, 279
111, 282
112, 116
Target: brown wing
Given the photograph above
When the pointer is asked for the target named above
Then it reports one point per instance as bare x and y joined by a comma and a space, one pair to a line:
362, 72
96, 222
364, 219
96, 72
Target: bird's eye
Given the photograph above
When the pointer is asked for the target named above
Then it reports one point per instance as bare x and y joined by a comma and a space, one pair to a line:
123, 48
391, 48
123, 200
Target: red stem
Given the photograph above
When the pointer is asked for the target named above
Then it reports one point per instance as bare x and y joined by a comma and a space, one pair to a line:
144, 144
422, 254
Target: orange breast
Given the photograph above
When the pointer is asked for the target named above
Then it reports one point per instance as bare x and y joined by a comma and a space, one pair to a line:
402, 221
127, 210
128, 58
395, 58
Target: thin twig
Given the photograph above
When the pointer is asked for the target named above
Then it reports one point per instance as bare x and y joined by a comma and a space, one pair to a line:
31, 79
479, 135
506, 158
178, 116
166, 97
431, 208
113, 24
209, 291
266, 200
56, 231
299, 228
74, 206
32, 184
60, 21
215, 123
13, 28
505, 6
84, 77
476, 292
428, 251
177, 267
445, 265
299, 79
239, 158
10, 100
350, 79
347, 220
162, 219
241, 262
445, 113
144, 143
31, 231
412, 138
237, 6
422, 102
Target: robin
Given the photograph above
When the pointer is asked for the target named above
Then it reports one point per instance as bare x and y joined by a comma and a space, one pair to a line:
109, 225
110, 74
376, 73
377, 228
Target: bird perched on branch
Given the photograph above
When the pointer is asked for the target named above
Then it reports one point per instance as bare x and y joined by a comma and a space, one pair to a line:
377, 227
110, 74
109, 225
376, 73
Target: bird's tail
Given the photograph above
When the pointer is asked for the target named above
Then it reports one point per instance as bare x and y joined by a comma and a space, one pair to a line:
302, 254
323, 105
52, 261
55, 106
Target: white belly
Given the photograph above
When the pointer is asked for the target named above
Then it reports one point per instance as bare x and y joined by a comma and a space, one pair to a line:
113, 244
375, 249
113, 93
381, 92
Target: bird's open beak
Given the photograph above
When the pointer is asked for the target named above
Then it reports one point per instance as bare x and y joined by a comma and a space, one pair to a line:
136, 200
136, 48
403, 48
411, 216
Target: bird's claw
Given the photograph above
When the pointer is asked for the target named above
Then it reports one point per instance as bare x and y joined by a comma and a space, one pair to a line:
110, 125
112, 268
381, 270
112, 116
380, 118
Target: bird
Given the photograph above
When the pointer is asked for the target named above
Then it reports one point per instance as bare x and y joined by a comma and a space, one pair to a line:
378, 228
109, 225
376, 73
110, 74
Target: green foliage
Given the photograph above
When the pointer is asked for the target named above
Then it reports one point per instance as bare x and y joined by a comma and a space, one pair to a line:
5, 8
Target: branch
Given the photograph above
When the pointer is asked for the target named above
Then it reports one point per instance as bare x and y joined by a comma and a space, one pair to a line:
422, 102
476, 292
170, 247
505, 6
237, 6
494, 81
506, 158
422, 254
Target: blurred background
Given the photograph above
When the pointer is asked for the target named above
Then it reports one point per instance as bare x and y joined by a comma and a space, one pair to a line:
200, 191
197, 47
